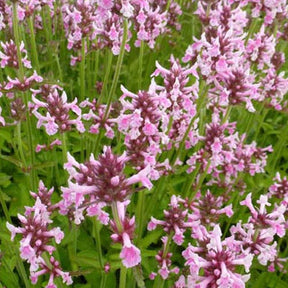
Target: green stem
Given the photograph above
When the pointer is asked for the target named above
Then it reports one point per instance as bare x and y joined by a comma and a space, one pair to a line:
21, 270
227, 114
259, 126
30, 144
252, 29
72, 249
117, 69
4, 207
99, 137
156, 192
123, 273
168, 5
200, 182
138, 276
89, 64
278, 150
141, 64
82, 71
25, 96
63, 51
64, 147
182, 143
96, 225
192, 179
59, 68
103, 281
48, 34
107, 74
201, 108
33, 43
96, 64
20, 146
116, 217
159, 283
139, 213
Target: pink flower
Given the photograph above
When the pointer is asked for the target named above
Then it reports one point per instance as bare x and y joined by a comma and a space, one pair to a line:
129, 253
2, 120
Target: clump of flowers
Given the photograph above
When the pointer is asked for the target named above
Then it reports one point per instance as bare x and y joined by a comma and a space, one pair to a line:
195, 129
98, 183
101, 23
37, 236
9, 55
218, 262
56, 110
225, 154
22, 85
98, 118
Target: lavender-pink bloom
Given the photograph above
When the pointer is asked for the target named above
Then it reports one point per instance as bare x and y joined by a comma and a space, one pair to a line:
57, 117
218, 263
99, 181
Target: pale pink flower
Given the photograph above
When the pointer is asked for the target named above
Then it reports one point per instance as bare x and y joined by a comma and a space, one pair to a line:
130, 254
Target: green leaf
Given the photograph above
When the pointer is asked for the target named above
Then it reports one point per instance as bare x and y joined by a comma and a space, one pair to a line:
4, 180
88, 258
152, 237
275, 281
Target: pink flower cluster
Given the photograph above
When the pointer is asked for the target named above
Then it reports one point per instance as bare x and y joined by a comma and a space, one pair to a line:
25, 9
213, 262
22, 85
158, 119
226, 58
181, 217
37, 236
225, 154
218, 259
97, 118
103, 20
56, 110
9, 55
98, 183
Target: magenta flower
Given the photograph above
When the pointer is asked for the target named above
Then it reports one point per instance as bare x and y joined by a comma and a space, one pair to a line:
207, 208
163, 258
227, 154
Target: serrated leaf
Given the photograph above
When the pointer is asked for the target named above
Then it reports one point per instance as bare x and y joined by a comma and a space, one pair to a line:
88, 258
4, 180
152, 237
